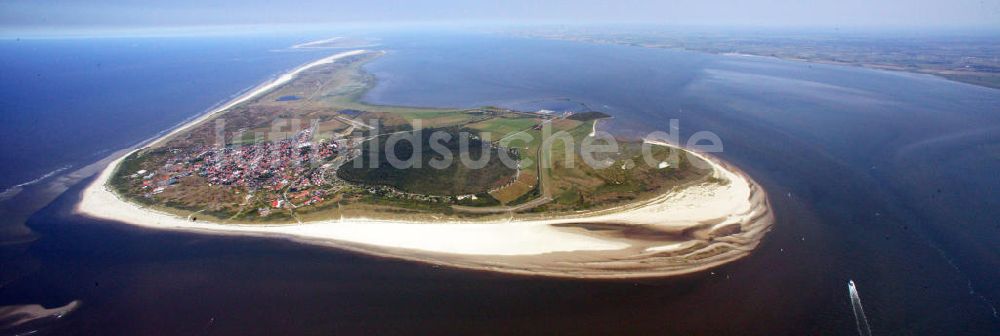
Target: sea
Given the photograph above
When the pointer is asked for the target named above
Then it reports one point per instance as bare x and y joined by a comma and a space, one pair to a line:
885, 179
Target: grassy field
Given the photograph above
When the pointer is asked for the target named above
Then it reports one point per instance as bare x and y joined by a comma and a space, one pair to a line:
529, 173
535, 153
525, 182
501, 127
328, 98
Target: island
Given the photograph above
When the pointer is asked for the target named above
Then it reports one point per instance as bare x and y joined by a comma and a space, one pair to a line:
301, 157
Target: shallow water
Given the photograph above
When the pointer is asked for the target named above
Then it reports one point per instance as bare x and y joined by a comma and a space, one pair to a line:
884, 178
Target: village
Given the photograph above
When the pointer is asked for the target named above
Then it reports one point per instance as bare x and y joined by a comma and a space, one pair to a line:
289, 168
290, 173
298, 171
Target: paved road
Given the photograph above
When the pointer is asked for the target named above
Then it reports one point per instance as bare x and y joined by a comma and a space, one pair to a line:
544, 182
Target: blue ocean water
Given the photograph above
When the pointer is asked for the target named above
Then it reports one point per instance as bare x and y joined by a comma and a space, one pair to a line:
884, 178
65, 102
894, 172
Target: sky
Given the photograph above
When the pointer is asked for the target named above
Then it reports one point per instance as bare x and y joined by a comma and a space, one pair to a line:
81, 14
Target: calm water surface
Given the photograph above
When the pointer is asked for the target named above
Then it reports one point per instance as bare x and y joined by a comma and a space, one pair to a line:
887, 179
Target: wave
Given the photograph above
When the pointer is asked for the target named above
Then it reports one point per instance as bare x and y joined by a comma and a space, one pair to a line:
16, 189
32, 318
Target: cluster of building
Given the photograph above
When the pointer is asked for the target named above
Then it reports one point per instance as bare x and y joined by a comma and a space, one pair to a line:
390, 192
288, 165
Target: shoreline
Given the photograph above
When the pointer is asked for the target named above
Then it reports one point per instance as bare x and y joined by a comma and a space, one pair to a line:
310, 44
941, 74
256, 91
713, 224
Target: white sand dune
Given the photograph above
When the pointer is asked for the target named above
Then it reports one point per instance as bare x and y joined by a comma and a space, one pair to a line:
725, 204
311, 44
259, 90
737, 202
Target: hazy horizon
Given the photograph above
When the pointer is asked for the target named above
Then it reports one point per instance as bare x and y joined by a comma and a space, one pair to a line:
111, 15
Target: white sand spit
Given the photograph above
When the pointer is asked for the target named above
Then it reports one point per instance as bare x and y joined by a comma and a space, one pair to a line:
722, 221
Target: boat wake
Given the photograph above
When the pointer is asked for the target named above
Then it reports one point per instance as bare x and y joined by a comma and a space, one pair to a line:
859, 312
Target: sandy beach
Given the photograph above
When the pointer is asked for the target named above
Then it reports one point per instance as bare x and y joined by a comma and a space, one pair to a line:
706, 224
311, 44
260, 89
